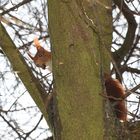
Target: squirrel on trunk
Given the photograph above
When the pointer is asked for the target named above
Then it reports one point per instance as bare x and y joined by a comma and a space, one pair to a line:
114, 90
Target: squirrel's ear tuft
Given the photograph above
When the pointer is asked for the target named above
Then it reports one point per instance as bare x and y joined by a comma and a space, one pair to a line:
37, 44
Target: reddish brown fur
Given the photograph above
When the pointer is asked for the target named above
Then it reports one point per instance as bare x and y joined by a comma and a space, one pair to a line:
115, 89
42, 57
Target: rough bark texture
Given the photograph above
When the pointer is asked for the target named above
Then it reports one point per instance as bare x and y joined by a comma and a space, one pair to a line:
78, 55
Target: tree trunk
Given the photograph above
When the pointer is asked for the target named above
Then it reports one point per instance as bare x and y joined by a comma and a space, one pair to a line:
79, 30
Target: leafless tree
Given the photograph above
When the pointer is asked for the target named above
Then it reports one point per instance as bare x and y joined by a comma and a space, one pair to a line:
28, 19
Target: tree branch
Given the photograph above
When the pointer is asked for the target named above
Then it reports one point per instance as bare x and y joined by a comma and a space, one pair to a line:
129, 39
24, 72
10, 125
129, 69
15, 7
27, 134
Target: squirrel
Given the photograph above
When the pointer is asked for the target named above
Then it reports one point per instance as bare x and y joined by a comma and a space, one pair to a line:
114, 90
43, 57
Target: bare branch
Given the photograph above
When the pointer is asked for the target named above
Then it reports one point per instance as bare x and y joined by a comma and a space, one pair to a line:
27, 134
129, 39
16, 6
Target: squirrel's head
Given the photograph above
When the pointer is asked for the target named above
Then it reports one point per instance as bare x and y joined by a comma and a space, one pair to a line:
42, 57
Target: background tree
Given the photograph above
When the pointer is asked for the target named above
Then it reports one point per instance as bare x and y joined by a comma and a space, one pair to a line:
84, 27
15, 98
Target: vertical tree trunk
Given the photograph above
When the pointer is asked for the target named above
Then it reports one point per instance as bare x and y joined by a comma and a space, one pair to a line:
79, 30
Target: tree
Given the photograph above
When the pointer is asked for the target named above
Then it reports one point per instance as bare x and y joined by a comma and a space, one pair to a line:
79, 40
80, 33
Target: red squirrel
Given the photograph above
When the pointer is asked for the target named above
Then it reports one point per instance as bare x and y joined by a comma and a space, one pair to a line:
115, 89
43, 57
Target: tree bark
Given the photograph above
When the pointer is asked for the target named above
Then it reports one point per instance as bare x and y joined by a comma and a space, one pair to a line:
80, 31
